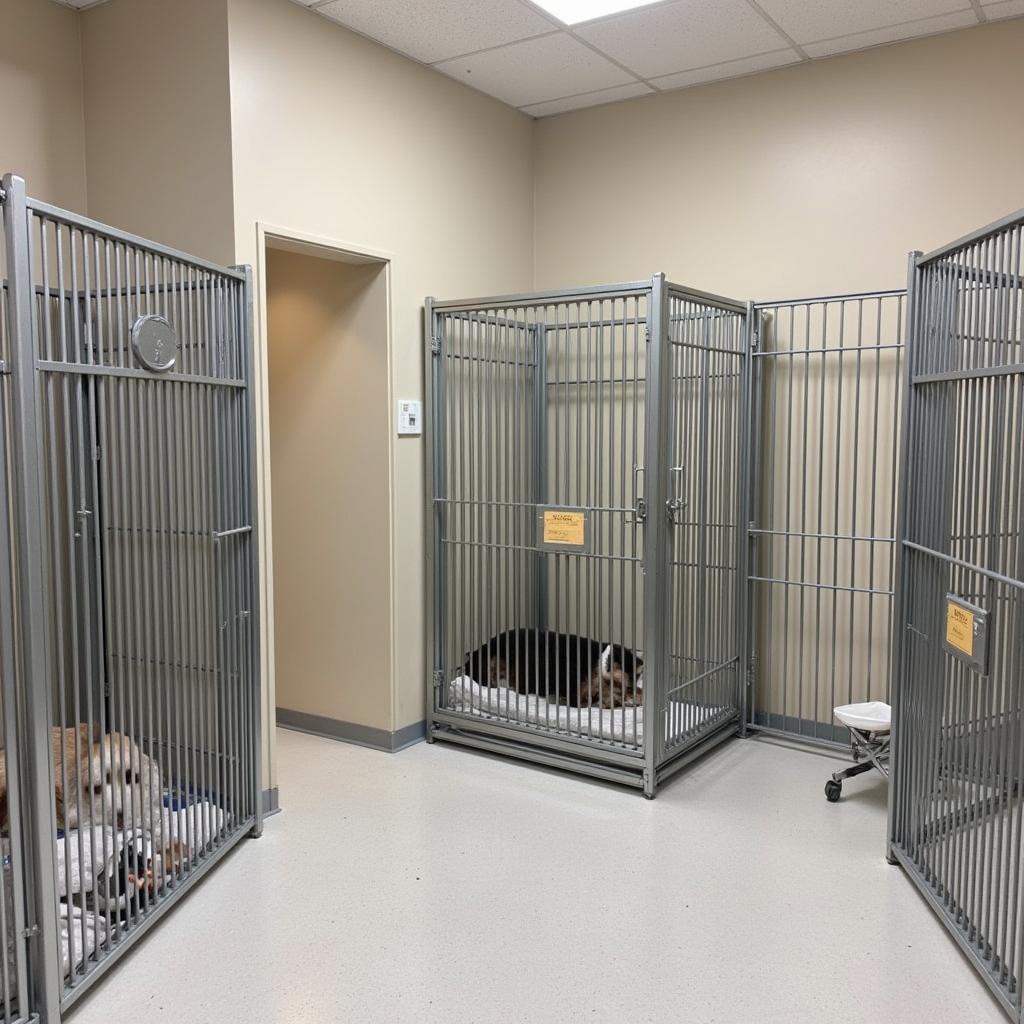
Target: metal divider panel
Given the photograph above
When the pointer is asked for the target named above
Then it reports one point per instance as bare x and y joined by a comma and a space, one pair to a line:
148, 534
825, 442
957, 810
707, 364
539, 412
14, 988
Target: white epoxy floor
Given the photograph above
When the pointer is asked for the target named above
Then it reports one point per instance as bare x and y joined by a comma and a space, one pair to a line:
438, 885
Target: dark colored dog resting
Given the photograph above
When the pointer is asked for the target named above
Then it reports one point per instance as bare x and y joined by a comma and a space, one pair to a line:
560, 667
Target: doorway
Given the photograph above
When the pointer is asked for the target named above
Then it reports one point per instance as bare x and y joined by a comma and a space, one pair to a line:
328, 405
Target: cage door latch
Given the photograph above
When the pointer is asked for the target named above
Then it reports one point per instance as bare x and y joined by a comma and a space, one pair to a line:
640, 506
82, 514
675, 503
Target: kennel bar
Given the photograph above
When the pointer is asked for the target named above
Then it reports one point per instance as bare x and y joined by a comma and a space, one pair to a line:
956, 815
132, 466
576, 401
823, 430
27, 652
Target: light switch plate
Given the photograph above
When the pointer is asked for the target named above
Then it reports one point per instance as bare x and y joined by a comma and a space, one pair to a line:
410, 418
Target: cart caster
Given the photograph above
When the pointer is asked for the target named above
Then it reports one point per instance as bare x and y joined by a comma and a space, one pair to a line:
833, 791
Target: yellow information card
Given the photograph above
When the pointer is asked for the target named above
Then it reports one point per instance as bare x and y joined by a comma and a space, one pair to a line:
960, 628
565, 528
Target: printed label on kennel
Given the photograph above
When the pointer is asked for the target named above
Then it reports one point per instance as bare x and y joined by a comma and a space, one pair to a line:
563, 528
967, 633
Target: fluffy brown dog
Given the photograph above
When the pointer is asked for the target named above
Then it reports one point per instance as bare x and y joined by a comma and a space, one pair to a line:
108, 781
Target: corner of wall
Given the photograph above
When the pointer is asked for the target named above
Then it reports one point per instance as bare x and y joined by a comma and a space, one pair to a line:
534, 178
141, 56
81, 109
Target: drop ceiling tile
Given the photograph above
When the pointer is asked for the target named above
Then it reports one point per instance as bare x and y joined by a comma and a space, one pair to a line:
590, 99
433, 30
686, 34
862, 40
537, 70
1004, 9
731, 69
809, 21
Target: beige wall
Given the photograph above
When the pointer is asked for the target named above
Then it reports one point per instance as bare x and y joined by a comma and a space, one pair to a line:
158, 121
328, 383
812, 179
374, 150
42, 129
205, 118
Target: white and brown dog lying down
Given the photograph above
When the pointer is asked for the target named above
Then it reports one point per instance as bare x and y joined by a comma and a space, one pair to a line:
560, 667
105, 781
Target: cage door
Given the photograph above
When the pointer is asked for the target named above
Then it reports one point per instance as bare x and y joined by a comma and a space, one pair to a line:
707, 363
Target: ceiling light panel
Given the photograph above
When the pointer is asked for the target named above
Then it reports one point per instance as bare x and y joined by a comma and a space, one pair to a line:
683, 35
435, 30
572, 12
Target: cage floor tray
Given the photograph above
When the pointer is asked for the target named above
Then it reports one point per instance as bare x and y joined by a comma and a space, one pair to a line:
619, 725
871, 716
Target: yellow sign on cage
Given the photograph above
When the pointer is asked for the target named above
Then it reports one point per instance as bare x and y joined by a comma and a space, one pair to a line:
565, 527
960, 628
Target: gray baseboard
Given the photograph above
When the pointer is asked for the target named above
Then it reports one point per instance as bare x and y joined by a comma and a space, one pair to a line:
349, 732
271, 802
804, 728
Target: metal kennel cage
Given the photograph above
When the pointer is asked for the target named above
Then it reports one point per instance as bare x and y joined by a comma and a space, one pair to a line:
586, 475
130, 678
824, 440
956, 819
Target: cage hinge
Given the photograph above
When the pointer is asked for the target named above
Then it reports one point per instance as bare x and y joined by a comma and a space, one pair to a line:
755, 339
30, 932
435, 345
96, 452
438, 678
641, 510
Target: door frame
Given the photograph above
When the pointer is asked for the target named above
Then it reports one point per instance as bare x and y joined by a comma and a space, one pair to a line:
321, 247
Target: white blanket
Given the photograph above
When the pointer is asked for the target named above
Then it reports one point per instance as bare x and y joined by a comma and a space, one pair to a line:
80, 933
88, 861
621, 725
195, 826
617, 724
80, 848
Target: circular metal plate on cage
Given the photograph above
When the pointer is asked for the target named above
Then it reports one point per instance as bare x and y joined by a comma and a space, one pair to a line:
155, 343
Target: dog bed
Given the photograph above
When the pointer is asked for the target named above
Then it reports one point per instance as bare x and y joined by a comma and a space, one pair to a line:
87, 862
93, 865
618, 725
195, 825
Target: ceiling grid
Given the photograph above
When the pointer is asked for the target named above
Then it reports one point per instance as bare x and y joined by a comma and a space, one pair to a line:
519, 53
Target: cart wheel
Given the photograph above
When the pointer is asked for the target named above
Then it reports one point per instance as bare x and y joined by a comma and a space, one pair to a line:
833, 791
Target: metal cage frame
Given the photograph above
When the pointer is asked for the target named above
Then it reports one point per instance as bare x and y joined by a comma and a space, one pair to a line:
824, 440
128, 584
956, 809
682, 340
